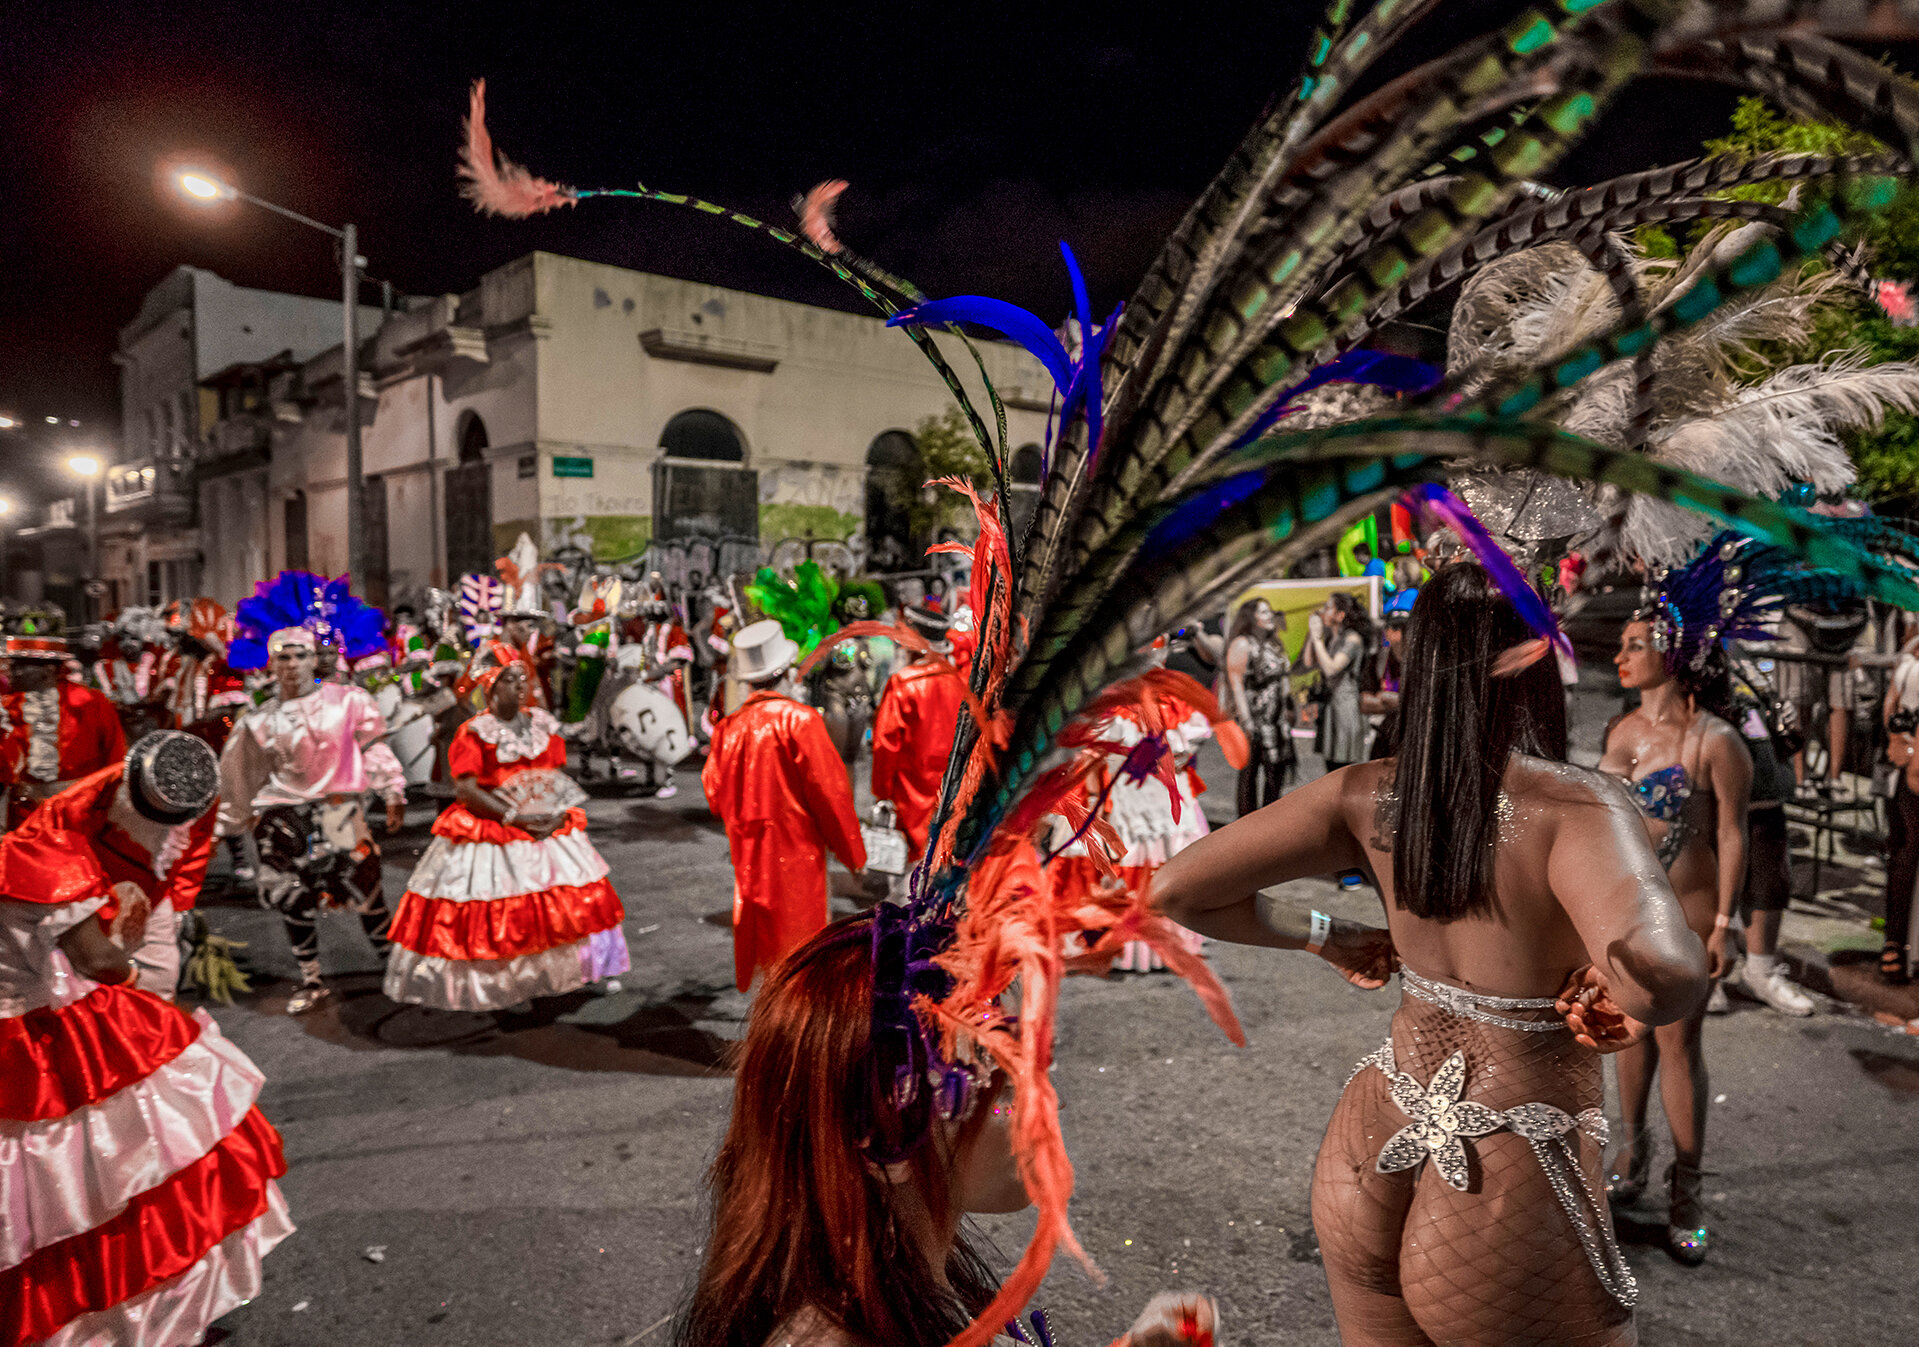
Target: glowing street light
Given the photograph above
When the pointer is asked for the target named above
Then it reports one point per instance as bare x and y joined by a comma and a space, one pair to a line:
205, 187
84, 465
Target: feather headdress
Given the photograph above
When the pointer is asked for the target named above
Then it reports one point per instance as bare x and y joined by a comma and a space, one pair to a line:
326, 608
1171, 481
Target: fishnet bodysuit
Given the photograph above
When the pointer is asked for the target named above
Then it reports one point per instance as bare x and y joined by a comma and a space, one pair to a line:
1412, 1261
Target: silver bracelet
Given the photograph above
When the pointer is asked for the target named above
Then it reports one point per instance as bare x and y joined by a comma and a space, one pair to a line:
1321, 928
512, 812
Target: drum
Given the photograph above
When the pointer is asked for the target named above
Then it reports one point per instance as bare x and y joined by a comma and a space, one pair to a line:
648, 722
409, 725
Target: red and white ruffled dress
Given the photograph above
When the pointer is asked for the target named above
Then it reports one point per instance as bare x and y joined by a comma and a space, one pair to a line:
137, 1192
1142, 814
493, 917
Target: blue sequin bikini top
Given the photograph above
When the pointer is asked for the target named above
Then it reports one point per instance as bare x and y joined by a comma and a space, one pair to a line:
1662, 794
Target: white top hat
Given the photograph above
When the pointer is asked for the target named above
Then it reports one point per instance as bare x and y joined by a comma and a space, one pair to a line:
761, 652
520, 571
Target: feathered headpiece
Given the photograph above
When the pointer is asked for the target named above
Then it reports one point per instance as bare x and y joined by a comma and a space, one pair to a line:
1171, 483
1737, 588
325, 608
803, 606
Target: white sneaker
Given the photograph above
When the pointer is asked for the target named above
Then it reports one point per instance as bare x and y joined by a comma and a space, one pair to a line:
1716, 1003
1771, 985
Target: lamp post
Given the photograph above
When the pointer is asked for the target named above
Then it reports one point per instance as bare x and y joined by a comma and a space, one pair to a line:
87, 468
204, 187
6, 508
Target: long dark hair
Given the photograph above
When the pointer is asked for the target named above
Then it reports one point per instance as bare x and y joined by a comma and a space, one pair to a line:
1243, 622
1458, 727
801, 1219
1356, 620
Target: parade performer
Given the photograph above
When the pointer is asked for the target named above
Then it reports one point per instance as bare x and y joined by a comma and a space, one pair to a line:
53, 731
914, 727
1173, 478
165, 862
129, 658
669, 652
295, 769
1691, 775
522, 611
1472, 1140
138, 1169
780, 791
200, 692
511, 901
594, 618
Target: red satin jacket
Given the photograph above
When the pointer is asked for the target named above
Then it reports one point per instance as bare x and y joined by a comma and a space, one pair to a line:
91, 737
70, 850
780, 789
913, 732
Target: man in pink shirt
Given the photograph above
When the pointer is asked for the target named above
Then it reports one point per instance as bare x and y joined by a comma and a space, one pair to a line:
295, 770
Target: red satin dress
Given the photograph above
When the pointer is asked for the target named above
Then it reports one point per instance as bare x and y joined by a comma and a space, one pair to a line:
913, 733
493, 917
780, 789
137, 1177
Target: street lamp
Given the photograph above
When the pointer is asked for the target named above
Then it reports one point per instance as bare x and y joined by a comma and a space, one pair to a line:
6, 508
87, 468
207, 188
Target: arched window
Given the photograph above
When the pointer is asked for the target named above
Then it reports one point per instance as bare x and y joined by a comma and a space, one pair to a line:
704, 435
895, 473
1026, 461
473, 441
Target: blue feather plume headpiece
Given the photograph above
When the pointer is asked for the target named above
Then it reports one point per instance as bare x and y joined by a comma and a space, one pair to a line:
302, 599
1737, 588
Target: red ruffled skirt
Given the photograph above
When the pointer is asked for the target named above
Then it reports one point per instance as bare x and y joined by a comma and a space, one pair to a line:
136, 1175
493, 917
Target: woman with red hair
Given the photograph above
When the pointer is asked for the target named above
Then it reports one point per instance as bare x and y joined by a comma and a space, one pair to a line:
837, 1212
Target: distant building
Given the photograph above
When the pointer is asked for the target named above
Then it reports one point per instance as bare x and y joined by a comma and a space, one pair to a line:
191, 327
593, 407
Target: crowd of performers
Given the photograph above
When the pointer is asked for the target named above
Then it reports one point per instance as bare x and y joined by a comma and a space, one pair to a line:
1032, 751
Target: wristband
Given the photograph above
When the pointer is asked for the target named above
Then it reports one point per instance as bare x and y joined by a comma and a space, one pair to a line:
132, 977
1721, 922
1322, 927
512, 812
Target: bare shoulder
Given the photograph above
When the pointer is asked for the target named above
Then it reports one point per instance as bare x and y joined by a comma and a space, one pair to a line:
1543, 782
1364, 783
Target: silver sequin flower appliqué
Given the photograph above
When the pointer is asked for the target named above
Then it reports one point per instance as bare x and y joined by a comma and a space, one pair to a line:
1441, 1120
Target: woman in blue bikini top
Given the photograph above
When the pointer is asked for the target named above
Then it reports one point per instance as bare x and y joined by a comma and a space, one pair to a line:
1690, 774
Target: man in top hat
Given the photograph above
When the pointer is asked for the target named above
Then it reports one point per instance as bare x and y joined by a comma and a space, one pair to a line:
522, 611
914, 729
139, 830
296, 770
52, 731
780, 791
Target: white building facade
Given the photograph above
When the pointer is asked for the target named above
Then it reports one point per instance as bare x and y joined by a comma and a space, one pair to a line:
593, 407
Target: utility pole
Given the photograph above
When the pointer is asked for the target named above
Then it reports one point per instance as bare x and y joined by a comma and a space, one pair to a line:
355, 487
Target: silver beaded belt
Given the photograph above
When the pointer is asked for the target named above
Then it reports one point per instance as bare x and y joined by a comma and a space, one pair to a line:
1473, 1006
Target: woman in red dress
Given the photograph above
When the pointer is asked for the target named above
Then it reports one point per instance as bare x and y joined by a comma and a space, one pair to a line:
508, 903
137, 1192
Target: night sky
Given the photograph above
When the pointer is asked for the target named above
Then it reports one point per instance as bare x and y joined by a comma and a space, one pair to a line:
974, 136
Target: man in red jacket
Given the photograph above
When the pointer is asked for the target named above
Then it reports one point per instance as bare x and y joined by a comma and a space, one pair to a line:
141, 830
914, 729
52, 731
780, 790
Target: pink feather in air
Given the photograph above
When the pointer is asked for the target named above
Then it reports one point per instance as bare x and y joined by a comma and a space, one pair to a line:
816, 215
494, 183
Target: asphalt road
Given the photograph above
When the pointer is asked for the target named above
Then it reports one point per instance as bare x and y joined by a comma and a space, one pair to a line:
459, 1180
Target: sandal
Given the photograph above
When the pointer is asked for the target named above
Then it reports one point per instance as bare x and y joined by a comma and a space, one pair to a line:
1686, 1233
1627, 1181
1893, 961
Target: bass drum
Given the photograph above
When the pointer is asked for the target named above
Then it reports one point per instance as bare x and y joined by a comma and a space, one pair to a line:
648, 722
409, 733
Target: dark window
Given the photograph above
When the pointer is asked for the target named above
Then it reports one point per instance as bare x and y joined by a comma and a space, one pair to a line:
703, 434
469, 506
715, 504
1023, 499
895, 475
1026, 460
374, 583
296, 519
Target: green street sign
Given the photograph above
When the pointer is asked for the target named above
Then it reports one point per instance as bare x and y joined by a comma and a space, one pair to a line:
572, 467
